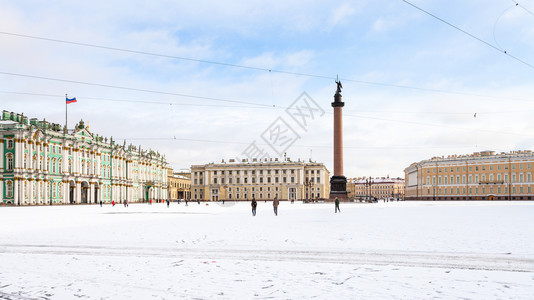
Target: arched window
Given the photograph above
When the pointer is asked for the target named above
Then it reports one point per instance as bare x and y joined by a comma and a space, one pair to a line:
9, 162
9, 189
10, 144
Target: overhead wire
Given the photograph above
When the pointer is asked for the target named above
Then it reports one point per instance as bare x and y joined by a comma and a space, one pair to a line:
524, 8
131, 88
295, 145
239, 66
469, 34
347, 114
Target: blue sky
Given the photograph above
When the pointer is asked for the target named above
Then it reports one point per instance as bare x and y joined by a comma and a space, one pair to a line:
412, 84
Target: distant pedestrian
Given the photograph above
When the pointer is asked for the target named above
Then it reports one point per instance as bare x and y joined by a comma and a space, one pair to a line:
223, 201
150, 202
168, 202
113, 203
100, 203
292, 200
254, 204
337, 205
275, 205
198, 201
125, 203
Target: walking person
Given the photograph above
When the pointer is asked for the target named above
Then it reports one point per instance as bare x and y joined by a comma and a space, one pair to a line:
100, 203
168, 202
275, 205
113, 203
254, 204
337, 205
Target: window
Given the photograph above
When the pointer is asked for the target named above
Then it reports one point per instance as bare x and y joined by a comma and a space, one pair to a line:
9, 161
9, 189
10, 144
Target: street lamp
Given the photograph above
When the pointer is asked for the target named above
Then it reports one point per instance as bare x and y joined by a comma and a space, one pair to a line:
368, 183
307, 184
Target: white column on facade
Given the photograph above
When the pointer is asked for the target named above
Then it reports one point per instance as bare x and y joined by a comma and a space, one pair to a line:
98, 166
45, 157
19, 154
46, 194
23, 184
38, 155
65, 192
37, 191
16, 194
31, 149
74, 160
64, 159
91, 195
78, 192
30, 190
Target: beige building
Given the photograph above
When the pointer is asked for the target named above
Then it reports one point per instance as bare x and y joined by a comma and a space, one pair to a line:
364, 188
479, 176
261, 179
179, 185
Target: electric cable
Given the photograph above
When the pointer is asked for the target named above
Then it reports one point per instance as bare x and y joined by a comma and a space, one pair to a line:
469, 34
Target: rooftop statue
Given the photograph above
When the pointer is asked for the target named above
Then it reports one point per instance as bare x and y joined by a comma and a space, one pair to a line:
339, 86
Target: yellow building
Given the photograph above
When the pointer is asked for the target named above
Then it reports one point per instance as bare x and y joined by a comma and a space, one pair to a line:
365, 188
261, 179
179, 185
479, 176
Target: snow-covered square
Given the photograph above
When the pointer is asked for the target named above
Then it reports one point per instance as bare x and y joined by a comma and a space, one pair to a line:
395, 250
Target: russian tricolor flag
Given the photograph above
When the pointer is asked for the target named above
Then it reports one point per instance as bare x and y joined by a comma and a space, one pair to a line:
72, 100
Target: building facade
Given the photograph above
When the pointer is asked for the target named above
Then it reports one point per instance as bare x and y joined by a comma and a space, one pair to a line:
179, 185
43, 163
365, 188
479, 176
261, 179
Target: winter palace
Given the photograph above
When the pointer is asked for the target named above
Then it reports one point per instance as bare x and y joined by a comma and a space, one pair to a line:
482, 175
43, 163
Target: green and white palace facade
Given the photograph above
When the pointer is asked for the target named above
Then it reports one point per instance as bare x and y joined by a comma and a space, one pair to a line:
42, 163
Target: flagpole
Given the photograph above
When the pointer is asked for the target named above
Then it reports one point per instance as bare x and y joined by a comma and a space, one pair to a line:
66, 113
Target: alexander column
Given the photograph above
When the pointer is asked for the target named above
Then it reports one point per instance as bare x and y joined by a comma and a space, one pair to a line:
338, 182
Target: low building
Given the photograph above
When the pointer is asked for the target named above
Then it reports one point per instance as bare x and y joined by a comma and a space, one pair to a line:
482, 175
179, 185
365, 188
43, 163
261, 179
